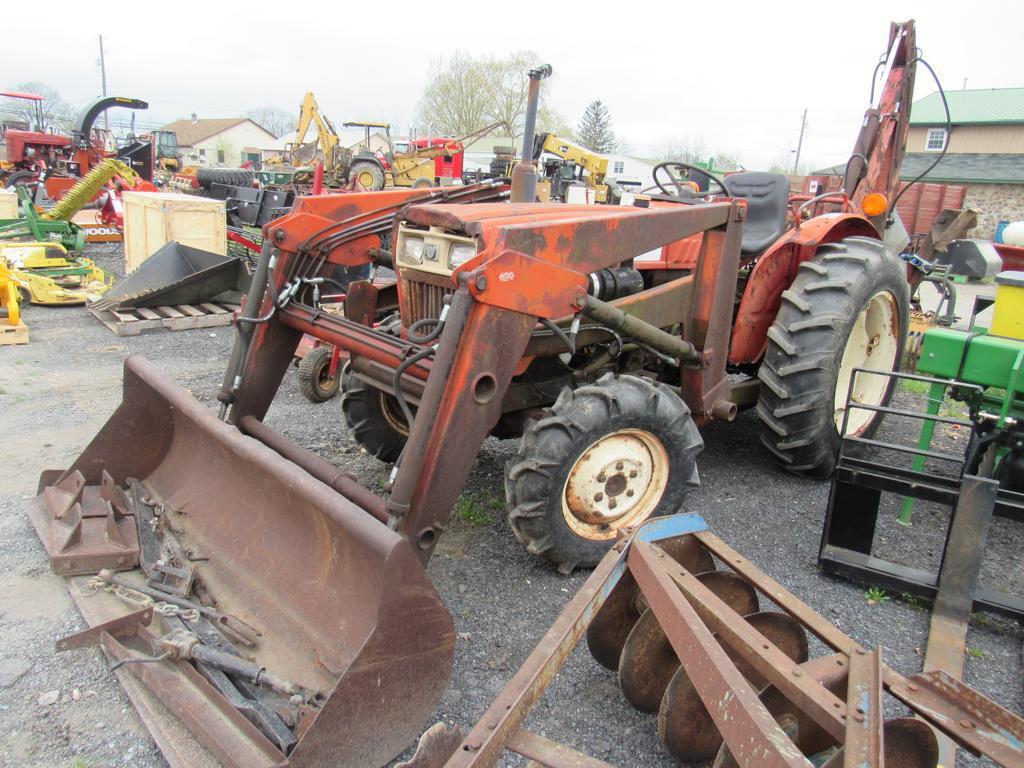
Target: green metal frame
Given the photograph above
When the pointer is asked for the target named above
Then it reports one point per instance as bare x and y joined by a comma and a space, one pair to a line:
972, 357
34, 227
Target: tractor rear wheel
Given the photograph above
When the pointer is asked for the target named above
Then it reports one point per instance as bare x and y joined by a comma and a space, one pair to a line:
369, 175
374, 416
609, 455
315, 380
847, 308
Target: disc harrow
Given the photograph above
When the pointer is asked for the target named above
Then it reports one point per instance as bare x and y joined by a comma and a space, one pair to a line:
720, 651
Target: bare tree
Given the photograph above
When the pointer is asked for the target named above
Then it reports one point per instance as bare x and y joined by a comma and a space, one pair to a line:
464, 93
274, 119
54, 113
457, 100
687, 149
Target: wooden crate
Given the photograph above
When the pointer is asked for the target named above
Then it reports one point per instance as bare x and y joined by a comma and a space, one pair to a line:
131, 321
152, 219
8, 205
13, 334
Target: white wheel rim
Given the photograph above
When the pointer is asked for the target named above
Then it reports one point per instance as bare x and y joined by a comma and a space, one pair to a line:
873, 343
616, 482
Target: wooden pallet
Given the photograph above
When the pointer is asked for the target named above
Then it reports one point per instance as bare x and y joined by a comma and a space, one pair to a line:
131, 321
13, 334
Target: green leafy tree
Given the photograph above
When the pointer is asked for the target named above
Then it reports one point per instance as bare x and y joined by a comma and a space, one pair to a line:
595, 130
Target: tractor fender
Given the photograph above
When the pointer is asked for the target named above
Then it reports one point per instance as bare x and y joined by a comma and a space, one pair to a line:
774, 272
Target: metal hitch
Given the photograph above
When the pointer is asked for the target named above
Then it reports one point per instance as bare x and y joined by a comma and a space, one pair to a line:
331, 600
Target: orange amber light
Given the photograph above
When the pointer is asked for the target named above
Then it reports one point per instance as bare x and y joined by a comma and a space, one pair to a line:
875, 204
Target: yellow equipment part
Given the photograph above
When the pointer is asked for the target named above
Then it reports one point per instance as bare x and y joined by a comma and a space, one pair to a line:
25, 261
1008, 318
85, 190
10, 298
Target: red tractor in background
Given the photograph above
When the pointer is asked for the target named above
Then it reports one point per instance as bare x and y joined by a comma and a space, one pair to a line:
60, 161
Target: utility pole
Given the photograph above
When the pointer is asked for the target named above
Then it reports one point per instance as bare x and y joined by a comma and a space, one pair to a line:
800, 143
103, 78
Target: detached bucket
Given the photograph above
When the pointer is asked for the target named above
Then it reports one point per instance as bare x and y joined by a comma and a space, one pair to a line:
333, 602
179, 274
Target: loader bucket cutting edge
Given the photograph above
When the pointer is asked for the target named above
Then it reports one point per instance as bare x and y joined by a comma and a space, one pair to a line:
342, 603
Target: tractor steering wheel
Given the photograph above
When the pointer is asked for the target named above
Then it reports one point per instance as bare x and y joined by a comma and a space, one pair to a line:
681, 186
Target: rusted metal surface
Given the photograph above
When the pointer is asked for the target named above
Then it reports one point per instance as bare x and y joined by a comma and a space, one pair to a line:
485, 742
222, 729
961, 712
951, 612
85, 527
863, 744
122, 626
545, 752
382, 654
752, 734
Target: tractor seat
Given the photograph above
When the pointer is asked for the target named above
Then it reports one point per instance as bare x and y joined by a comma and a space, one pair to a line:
767, 196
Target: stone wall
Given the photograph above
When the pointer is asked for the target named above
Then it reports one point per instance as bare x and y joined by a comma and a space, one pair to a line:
994, 202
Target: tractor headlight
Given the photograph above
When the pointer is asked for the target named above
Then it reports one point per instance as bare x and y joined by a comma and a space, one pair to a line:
413, 251
460, 253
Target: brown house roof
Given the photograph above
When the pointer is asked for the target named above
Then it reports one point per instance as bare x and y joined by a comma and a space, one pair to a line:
190, 132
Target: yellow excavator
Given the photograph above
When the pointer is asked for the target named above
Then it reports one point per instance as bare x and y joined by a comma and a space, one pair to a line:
576, 164
336, 158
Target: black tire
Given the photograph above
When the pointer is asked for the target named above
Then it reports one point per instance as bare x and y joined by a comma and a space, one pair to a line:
500, 167
552, 448
233, 177
315, 381
20, 178
374, 417
505, 150
422, 183
26, 295
360, 167
806, 343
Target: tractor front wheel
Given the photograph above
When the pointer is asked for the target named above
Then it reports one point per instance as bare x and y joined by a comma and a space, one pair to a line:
847, 308
315, 380
374, 416
608, 456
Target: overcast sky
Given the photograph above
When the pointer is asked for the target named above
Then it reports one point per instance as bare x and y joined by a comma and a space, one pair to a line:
737, 75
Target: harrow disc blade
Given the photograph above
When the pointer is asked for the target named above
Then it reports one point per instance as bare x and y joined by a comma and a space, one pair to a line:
608, 631
648, 662
809, 737
684, 724
782, 631
910, 743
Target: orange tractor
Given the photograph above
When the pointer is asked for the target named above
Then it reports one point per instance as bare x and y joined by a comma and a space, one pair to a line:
602, 337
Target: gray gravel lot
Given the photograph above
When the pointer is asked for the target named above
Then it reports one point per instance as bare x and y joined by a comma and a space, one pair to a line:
56, 392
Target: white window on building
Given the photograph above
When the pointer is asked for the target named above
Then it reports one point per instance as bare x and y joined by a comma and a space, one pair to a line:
618, 166
936, 140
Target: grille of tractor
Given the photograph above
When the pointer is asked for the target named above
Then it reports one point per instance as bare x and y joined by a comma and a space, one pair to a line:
423, 300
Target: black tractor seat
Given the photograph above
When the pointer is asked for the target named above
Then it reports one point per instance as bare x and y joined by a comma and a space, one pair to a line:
767, 196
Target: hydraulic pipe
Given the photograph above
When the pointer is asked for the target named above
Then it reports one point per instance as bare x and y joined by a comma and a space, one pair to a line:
638, 329
411, 465
322, 470
524, 175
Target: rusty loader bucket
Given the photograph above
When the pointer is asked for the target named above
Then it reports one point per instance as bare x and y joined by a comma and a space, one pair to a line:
291, 627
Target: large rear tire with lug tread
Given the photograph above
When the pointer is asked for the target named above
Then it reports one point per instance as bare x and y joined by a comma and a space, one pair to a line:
369, 175
847, 308
374, 416
315, 381
608, 456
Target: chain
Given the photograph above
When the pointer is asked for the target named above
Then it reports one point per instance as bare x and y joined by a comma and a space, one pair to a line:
139, 600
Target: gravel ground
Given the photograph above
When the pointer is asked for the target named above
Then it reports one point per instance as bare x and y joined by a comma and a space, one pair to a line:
56, 392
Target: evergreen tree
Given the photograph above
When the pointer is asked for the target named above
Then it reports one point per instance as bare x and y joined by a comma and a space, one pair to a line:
595, 131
